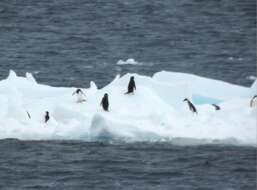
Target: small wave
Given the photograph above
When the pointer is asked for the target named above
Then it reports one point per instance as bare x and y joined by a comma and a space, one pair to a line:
252, 78
36, 72
235, 58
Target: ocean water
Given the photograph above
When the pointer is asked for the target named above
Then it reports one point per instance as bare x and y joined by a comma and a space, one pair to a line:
80, 165
70, 43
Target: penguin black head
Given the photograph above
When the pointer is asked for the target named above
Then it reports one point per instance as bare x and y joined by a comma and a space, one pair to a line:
185, 100
216, 107
47, 113
106, 95
78, 91
132, 78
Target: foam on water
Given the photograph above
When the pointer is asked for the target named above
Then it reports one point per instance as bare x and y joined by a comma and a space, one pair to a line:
156, 112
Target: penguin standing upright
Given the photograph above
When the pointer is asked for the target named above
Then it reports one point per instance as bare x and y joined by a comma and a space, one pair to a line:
47, 117
80, 95
191, 106
253, 102
105, 102
131, 86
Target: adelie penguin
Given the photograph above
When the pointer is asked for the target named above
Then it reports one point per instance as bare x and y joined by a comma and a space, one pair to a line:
131, 86
253, 102
190, 105
80, 95
47, 117
105, 102
216, 107
28, 115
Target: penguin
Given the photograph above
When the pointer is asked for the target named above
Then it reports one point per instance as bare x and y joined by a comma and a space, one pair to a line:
216, 107
80, 95
253, 102
190, 105
28, 115
131, 86
47, 117
105, 102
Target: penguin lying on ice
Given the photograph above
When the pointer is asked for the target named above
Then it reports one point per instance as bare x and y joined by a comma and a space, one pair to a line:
216, 107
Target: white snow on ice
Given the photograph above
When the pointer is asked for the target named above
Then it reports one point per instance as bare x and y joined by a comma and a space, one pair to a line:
129, 61
156, 112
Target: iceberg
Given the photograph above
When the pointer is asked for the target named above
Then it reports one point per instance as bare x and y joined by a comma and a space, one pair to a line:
129, 61
156, 112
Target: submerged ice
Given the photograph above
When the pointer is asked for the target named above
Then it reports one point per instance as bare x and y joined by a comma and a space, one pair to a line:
156, 112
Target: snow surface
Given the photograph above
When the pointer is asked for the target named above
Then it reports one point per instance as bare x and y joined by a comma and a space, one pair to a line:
156, 112
129, 61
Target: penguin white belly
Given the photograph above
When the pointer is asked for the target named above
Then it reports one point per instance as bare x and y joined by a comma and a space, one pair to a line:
254, 103
80, 98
